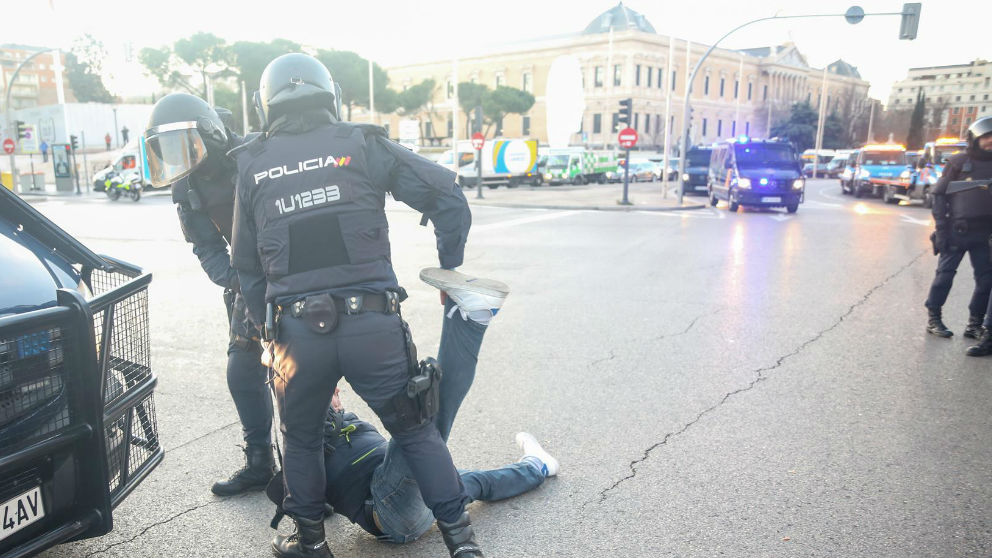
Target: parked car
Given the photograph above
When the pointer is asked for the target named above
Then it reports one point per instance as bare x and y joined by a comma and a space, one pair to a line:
77, 416
642, 172
697, 170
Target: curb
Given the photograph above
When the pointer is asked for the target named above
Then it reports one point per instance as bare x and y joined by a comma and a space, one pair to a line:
589, 207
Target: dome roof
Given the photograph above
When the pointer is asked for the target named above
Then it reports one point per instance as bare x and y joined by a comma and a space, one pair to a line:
619, 18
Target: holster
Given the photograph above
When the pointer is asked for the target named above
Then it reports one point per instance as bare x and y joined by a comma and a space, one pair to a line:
420, 401
933, 242
229, 303
320, 314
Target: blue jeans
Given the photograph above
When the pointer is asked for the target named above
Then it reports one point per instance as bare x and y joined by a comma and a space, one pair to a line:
395, 494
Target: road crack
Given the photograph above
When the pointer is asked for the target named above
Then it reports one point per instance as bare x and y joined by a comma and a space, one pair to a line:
760, 376
198, 438
152, 526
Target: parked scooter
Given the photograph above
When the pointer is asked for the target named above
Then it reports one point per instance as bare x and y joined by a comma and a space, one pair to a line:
118, 185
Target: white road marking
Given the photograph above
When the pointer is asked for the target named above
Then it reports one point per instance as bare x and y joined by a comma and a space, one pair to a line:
522, 221
780, 218
925, 223
823, 194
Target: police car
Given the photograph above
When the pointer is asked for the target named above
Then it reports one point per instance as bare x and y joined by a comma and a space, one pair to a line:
754, 172
77, 416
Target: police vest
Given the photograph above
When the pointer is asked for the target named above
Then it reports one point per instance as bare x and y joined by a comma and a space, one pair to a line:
969, 196
319, 221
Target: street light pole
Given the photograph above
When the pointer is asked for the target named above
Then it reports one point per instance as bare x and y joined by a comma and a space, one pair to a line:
853, 15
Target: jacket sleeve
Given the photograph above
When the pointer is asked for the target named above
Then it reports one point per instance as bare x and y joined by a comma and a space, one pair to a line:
209, 246
952, 171
244, 257
430, 189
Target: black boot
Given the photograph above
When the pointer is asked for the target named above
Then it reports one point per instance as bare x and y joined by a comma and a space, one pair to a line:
974, 328
459, 538
307, 541
984, 346
936, 326
255, 475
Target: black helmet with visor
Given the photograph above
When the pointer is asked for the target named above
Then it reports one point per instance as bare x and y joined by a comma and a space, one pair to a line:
184, 134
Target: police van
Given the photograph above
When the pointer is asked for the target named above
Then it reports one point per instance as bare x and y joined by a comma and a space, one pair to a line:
78, 430
757, 173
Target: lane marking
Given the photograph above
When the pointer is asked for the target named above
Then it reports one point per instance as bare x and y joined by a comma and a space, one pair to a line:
821, 192
926, 223
523, 221
780, 218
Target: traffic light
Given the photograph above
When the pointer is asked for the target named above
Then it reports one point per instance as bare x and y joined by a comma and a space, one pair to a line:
73, 142
910, 21
624, 115
22, 131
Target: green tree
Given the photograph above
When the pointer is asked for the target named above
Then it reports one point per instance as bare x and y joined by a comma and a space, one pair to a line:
835, 134
800, 127
206, 54
414, 100
471, 95
351, 72
249, 60
914, 138
505, 100
84, 67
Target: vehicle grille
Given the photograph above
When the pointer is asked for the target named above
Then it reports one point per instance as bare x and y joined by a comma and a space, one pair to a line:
121, 329
34, 398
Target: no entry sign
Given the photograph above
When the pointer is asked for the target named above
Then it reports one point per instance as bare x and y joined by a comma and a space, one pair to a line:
478, 140
627, 138
8, 146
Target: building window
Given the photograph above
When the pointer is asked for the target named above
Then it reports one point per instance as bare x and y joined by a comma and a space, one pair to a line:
661, 83
749, 84
764, 93
657, 123
733, 128
706, 87
526, 126
719, 128
650, 76
723, 83
598, 80
737, 88
597, 123
616, 121
957, 110
673, 75
451, 127
617, 71
704, 127
957, 98
500, 80
449, 88
647, 123
528, 86
637, 120
637, 74
747, 128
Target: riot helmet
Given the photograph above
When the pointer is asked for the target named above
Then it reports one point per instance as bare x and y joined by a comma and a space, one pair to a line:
978, 128
295, 82
183, 134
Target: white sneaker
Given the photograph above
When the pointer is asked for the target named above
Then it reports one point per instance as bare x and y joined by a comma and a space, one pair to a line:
471, 294
532, 448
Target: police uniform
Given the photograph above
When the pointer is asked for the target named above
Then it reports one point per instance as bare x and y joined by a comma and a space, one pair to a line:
206, 214
311, 237
962, 228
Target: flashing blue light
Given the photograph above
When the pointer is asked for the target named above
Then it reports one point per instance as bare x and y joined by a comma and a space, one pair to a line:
763, 182
742, 139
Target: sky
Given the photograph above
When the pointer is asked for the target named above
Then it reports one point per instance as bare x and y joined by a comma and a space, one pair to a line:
398, 32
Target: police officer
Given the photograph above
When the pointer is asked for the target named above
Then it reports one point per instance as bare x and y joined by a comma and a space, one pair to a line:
187, 143
964, 224
312, 251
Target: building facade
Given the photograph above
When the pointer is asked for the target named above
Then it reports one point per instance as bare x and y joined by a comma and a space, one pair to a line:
621, 56
35, 84
959, 94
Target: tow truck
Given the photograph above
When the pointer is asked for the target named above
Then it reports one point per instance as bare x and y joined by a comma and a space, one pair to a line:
876, 170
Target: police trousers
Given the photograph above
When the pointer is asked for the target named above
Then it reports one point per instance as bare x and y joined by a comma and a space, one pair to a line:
246, 381
369, 351
977, 248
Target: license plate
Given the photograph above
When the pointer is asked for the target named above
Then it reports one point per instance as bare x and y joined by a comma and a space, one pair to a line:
771, 199
19, 512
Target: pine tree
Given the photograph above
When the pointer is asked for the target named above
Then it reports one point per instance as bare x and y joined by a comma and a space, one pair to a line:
914, 140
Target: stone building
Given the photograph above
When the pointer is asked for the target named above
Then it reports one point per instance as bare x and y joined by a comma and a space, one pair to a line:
959, 94
621, 55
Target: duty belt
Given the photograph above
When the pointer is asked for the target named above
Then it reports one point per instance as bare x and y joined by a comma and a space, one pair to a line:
386, 303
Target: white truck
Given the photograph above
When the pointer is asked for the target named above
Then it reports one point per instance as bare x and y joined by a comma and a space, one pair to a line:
504, 161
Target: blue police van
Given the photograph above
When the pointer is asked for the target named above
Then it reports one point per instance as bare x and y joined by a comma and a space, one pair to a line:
78, 430
756, 173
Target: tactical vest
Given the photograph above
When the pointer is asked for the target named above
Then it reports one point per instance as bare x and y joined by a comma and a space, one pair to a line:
971, 203
319, 221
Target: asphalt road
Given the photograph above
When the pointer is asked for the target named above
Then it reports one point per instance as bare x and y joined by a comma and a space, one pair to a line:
714, 384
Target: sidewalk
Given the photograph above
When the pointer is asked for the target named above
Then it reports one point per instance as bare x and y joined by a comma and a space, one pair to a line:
644, 196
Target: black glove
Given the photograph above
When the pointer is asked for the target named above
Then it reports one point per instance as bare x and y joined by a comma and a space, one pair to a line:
941, 239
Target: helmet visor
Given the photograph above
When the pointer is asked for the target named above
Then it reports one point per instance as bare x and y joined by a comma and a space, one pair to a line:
174, 150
